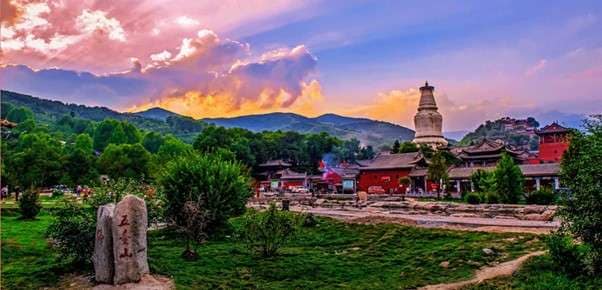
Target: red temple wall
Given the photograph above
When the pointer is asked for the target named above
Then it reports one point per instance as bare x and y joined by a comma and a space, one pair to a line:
288, 183
387, 179
552, 152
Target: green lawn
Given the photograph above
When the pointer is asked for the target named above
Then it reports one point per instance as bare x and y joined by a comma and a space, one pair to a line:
331, 255
540, 273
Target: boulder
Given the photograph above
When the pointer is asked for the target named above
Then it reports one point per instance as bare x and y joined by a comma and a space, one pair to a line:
102, 258
129, 240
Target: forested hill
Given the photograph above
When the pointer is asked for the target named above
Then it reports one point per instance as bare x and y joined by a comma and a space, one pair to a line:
516, 132
369, 132
48, 111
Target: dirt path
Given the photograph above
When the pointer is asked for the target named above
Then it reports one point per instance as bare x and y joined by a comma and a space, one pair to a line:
487, 273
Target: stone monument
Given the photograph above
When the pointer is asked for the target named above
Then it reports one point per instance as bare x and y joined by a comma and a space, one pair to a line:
120, 246
103, 245
129, 240
428, 121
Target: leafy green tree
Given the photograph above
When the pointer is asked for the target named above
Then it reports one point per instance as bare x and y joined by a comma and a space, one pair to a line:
408, 147
152, 141
171, 149
37, 160
218, 189
366, 153
80, 166
581, 173
348, 150
483, 181
125, 160
508, 180
19, 114
84, 142
437, 170
103, 133
265, 232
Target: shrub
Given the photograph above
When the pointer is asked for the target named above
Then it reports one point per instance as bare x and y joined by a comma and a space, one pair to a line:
567, 255
473, 198
219, 188
543, 196
491, 197
265, 232
29, 205
309, 220
72, 232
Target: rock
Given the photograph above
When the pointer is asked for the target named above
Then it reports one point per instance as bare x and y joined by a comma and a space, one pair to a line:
129, 240
102, 258
488, 251
463, 215
504, 217
549, 214
444, 264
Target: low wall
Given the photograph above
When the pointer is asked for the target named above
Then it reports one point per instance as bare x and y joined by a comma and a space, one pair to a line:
393, 204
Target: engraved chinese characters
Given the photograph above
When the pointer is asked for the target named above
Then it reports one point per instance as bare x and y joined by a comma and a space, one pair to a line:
103, 245
129, 240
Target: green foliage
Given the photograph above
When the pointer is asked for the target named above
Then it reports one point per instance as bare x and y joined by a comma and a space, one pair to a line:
81, 168
490, 197
6, 108
36, 161
111, 131
265, 232
73, 232
29, 205
20, 114
405, 147
152, 141
219, 188
543, 196
483, 180
396, 147
437, 169
508, 180
496, 130
125, 160
84, 142
566, 254
581, 173
473, 198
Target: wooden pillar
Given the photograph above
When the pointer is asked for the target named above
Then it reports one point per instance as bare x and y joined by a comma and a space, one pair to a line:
458, 187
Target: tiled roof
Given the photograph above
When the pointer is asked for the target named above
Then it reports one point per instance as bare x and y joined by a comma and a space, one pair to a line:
553, 128
393, 161
289, 174
278, 162
546, 169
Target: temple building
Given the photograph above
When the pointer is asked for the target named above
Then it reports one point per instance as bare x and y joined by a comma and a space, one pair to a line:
553, 142
427, 121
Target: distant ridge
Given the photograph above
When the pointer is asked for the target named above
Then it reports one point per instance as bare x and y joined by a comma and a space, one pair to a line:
369, 132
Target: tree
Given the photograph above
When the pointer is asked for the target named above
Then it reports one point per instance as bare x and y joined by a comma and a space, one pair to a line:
84, 142
408, 147
437, 170
581, 173
219, 190
152, 141
508, 180
483, 181
80, 166
171, 149
5, 108
366, 153
396, 147
103, 133
19, 114
37, 161
348, 150
125, 160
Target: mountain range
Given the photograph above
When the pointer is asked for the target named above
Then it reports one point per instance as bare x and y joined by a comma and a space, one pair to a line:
369, 132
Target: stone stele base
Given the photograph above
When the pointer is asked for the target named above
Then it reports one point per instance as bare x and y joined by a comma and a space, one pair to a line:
148, 282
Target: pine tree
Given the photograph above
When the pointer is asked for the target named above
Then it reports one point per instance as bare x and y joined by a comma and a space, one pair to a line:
508, 180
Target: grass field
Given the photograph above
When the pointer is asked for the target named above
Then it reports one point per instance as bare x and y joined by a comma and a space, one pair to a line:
331, 255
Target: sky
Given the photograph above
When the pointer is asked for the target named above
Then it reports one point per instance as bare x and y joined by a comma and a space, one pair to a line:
486, 59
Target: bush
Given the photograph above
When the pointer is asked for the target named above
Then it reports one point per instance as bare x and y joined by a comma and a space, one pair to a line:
309, 220
219, 188
265, 232
473, 198
567, 255
508, 180
491, 197
57, 193
73, 231
544, 196
29, 205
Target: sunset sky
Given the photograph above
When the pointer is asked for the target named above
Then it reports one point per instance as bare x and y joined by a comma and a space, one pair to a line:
487, 59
